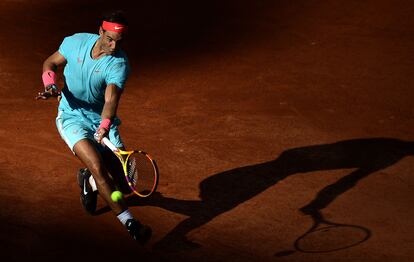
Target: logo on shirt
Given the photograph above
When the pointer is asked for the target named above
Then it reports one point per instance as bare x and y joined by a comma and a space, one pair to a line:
79, 60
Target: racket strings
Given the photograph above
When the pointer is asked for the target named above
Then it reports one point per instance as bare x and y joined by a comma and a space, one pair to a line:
132, 171
332, 238
141, 173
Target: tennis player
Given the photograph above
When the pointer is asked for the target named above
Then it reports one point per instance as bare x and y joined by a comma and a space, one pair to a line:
95, 72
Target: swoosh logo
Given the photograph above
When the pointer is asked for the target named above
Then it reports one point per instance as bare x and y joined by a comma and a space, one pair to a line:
84, 188
118, 27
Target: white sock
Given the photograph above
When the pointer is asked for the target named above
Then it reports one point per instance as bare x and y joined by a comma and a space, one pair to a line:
124, 216
92, 183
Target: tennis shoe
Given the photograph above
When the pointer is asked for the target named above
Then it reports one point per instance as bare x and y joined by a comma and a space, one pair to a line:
139, 232
88, 197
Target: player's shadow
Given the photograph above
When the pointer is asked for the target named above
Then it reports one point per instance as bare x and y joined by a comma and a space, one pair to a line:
224, 191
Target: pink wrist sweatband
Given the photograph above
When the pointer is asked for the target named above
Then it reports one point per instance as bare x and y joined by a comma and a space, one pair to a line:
49, 78
105, 123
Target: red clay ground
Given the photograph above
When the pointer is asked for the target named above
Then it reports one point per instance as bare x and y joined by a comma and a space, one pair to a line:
255, 112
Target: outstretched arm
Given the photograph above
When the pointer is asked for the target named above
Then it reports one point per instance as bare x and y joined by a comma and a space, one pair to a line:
48, 76
112, 97
53, 61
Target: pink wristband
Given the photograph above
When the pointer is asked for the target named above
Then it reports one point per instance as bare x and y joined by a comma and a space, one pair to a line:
49, 78
106, 124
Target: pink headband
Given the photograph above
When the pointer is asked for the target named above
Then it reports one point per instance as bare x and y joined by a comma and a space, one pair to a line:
114, 27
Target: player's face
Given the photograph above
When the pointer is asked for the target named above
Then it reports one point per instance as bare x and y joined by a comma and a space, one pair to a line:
110, 41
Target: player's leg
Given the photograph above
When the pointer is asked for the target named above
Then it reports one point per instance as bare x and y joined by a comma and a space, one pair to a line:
72, 129
115, 169
112, 163
80, 134
86, 151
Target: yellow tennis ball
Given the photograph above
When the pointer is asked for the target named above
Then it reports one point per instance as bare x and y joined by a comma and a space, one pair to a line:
116, 196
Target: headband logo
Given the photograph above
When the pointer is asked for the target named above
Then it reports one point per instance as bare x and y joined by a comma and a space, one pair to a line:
114, 27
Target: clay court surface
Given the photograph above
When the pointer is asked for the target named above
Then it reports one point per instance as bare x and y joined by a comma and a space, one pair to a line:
259, 113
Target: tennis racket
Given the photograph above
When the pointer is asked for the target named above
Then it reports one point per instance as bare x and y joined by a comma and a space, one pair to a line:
140, 170
325, 236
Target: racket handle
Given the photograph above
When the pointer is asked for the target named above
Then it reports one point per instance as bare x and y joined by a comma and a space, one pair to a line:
109, 144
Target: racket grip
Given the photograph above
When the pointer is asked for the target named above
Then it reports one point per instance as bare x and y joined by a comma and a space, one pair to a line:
109, 144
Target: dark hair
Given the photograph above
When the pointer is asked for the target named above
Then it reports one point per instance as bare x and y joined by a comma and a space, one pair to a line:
117, 16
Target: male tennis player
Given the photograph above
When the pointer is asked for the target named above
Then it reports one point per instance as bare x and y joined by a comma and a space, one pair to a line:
95, 72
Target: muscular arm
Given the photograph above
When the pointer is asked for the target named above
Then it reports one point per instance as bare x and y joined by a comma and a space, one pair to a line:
51, 64
112, 96
53, 61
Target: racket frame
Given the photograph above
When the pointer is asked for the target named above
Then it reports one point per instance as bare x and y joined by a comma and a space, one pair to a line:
322, 224
123, 157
